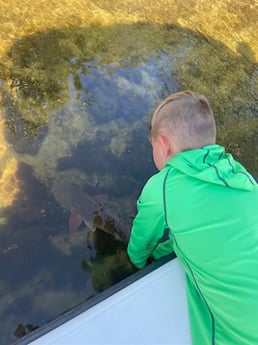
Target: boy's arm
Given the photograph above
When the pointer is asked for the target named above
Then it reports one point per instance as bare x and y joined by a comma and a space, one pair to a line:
149, 225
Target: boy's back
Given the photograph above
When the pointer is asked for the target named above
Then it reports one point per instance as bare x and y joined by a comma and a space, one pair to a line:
213, 217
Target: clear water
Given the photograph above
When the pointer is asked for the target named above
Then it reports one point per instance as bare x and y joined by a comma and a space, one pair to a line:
79, 82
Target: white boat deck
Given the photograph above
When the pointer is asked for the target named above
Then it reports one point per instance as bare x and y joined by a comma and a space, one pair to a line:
150, 310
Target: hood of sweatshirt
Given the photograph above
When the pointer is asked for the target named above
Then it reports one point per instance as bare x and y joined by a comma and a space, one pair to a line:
212, 164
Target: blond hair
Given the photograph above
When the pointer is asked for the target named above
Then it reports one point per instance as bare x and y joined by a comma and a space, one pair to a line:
187, 117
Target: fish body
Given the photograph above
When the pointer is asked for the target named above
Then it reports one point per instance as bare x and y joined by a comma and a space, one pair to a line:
85, 208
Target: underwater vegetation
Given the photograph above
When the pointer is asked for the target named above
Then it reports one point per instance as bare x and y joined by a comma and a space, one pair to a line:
104, 76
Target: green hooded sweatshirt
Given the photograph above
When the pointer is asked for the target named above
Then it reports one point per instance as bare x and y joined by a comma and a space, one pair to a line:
209, 204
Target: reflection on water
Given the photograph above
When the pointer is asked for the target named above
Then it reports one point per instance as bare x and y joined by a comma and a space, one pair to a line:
79, 81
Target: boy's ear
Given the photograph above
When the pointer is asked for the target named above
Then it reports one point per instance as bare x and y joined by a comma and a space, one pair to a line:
168, 146
164, 143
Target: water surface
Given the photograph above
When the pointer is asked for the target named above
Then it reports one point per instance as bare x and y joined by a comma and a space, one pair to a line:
79, 82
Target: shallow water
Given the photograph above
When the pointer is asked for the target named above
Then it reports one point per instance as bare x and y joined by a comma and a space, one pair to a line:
79, 82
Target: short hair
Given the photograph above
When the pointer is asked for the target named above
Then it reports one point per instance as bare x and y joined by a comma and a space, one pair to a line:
188, 117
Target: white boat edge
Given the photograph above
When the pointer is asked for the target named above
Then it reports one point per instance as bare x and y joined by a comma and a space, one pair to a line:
149, 307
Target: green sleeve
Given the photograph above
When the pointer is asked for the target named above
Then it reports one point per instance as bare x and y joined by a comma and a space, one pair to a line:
149, 224
163, 249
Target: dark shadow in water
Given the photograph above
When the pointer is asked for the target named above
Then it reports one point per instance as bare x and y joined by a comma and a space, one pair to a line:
88, 65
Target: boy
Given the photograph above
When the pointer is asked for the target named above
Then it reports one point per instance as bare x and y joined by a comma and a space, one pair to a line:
208, 204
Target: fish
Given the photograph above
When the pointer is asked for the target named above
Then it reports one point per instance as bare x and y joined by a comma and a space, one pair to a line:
84, 208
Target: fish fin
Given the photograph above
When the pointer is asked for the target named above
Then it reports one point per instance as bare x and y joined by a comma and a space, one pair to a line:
75, 221
90, 226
